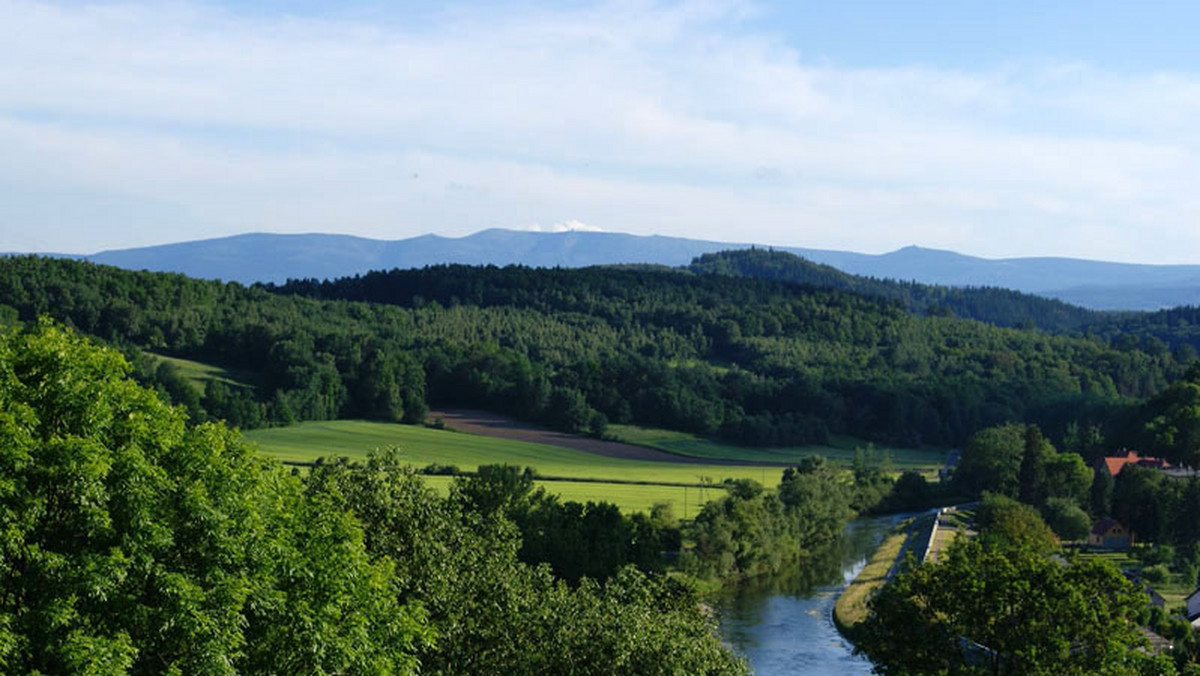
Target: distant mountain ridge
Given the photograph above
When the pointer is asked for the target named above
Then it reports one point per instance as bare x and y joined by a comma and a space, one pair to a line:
262, 257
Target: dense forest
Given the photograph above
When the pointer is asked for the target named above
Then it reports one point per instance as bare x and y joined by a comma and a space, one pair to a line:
1175, 329
757, 362
1001, 307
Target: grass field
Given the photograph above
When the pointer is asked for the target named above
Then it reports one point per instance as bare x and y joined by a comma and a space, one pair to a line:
840, 450
629, 497
200, 374
423, 446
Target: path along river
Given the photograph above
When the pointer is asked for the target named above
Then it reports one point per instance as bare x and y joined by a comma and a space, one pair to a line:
784, 625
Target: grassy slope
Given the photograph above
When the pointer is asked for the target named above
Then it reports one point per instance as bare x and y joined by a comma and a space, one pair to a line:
200, 373
422, 446
851, 605
841, 449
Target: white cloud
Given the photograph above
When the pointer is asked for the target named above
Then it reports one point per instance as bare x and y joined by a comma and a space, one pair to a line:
644, 116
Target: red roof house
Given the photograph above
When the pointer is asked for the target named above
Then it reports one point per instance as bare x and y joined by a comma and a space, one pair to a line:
1113, 464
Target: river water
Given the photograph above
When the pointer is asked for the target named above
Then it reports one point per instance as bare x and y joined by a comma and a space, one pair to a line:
784, 624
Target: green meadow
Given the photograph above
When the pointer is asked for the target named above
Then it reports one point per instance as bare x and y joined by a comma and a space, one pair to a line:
840, 449
422, 446
629, 497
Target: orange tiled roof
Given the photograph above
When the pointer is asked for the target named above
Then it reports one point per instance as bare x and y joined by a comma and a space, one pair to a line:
1114, 464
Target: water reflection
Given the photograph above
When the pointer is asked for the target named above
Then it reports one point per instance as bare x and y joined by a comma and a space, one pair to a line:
783, 624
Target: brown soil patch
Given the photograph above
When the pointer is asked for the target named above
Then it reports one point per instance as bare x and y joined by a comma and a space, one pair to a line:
495, 425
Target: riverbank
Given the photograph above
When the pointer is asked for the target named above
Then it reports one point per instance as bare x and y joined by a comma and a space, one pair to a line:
851, 605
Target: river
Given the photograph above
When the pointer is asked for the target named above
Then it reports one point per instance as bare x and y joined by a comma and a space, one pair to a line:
784, 625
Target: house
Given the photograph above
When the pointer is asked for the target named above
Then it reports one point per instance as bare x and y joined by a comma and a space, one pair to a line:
1193, 608
1110, 534
1113, 464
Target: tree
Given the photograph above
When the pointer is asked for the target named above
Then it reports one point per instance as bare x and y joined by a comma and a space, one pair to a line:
496, 615
1101, 493
495, 489
1175, 427
1067, 476
991, 461
1032, 474
1014, 525
1067, 520
131, 543
989, 608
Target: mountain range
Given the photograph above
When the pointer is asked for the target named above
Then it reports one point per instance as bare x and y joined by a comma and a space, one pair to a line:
262, 257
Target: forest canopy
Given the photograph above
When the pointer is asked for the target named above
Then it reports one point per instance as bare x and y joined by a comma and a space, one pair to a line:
756, 362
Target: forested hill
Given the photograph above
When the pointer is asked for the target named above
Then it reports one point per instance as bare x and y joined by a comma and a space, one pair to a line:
753, 361
1002, 307
1175, 329
263, 257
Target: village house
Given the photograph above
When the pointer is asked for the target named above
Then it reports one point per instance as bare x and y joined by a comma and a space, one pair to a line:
1110, 534
1113, 464
1193, 609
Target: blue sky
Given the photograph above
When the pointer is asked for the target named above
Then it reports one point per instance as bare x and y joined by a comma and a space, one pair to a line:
994, 129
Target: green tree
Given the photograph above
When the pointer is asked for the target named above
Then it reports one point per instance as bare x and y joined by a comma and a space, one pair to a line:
496, 615
1067, 476
135, 544
991, 461
1175, 426
1032, 473
1101, 493
1067, 520
989, 608
1014, 525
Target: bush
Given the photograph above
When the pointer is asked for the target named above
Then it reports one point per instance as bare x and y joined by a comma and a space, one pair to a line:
1156, 574
1067, 520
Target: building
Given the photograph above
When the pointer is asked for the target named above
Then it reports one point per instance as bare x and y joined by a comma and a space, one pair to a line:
1113, 464
1193, 608
1110, 534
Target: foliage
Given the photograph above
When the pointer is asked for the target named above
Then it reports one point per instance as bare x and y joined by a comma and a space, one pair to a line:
753, 532
133, 544
1004, 521
751, 361
495, 614
1175, 420
1156, 507
990, 608
577, 540
1001, 307
1067, 519
1018, 462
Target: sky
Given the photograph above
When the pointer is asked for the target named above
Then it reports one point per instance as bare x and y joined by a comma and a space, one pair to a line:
995, 129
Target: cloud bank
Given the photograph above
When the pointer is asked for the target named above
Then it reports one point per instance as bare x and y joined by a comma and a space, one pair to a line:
131, 124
